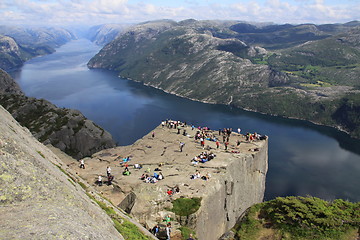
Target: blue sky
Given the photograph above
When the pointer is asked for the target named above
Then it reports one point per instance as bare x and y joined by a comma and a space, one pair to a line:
93, 12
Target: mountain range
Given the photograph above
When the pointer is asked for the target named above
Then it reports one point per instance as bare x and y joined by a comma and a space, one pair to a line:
19, 44
305, 71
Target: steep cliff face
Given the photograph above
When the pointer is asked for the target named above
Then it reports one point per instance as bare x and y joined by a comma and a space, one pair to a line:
10, 55
65, 129
37, 200
239, 188
7, 84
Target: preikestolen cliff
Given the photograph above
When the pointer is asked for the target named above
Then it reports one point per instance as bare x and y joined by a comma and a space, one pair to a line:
180, 130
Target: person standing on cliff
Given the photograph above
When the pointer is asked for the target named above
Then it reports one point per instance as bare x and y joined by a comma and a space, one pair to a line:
82, 164
108, 171
181, 146
168, 231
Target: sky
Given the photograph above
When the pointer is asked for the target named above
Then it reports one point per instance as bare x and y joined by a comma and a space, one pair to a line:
95, 12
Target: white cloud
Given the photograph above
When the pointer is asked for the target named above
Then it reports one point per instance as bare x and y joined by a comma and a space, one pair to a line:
103, 11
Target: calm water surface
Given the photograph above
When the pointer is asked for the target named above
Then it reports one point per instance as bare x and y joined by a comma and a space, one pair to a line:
304, 159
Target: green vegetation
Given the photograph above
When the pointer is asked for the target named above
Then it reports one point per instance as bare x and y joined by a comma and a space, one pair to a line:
185, 232
301, 218
127, 229
41, 154
186, 206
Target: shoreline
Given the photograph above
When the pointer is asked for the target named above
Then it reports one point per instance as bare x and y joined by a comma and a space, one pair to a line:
336, 127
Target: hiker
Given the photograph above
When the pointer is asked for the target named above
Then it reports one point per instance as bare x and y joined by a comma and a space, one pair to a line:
153, 134
239, 130
217, 144
108, 171
167, 219
181, 146
82, 164
155, 230
168, 231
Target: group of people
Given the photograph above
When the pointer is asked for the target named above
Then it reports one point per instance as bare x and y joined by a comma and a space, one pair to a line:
173, 190
152, 178
173, 124
197, 175
203, 157
255, 136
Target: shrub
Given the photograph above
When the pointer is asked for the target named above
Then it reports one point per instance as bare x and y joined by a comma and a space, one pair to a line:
186, 206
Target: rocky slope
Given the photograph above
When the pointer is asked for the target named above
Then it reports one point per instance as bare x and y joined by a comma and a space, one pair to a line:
37, 200
237, 179
103, 34
65, 129
19, 44
238, 64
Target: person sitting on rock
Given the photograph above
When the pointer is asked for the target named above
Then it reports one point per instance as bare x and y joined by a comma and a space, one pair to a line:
137, 166
176, 189
169, 192
154, 180
160, 177
196, 175
126, 172
99, 181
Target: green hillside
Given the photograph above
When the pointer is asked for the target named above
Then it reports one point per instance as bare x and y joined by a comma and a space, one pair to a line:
300, 218
311, 73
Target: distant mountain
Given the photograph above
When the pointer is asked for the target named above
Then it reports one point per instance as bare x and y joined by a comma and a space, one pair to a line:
103, 34
66, 129
301, 71
18, 44
286, 35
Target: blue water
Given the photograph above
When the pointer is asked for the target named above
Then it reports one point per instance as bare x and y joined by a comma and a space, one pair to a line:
304, 159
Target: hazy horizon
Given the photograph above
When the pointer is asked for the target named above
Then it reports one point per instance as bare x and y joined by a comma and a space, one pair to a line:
97, 12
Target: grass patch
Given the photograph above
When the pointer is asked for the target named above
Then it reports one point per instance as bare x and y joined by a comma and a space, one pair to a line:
71, 182
83, 185
186, 206
185, 232
301, 218
41, 154
127, 229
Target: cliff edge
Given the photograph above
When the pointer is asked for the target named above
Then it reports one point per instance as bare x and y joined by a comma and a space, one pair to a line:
237, 178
